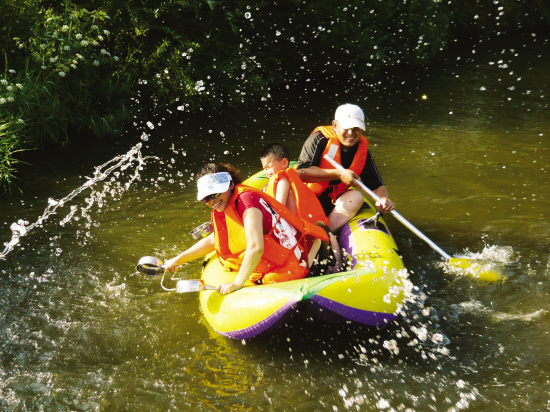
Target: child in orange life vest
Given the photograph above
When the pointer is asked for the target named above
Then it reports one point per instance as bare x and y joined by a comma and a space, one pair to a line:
287, 188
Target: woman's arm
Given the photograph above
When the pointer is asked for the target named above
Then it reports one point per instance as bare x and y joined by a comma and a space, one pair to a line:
253, 228
199, 249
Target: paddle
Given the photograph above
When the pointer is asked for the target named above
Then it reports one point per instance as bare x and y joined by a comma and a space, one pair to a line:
467, 266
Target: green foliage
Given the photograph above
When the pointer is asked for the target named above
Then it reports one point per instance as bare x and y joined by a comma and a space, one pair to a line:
73, 66
9, 147
58, 81
61, 85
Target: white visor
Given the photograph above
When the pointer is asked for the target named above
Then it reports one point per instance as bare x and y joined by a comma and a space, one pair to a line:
213, 184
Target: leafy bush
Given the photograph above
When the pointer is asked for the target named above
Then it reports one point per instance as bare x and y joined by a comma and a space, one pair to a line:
10, 145
58, 81
74, 65
59, 85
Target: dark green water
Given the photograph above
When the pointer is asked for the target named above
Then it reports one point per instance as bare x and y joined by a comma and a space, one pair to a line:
467, 164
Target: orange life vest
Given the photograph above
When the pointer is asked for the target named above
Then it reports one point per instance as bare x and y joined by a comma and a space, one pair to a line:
333, 149
278, 263
307, 204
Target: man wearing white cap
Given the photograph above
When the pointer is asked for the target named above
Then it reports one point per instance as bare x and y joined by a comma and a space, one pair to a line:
342, 141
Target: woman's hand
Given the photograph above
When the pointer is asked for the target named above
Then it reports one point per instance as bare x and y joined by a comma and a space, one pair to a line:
226, 288
170, 264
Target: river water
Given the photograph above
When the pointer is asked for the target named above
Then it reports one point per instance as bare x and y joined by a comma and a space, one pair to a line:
463, 148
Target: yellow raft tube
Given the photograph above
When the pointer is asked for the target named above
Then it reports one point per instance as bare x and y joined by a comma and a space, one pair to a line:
371, 293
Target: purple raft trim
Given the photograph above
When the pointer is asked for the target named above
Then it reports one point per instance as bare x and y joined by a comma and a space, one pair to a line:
262, 325
345, 240
358, 315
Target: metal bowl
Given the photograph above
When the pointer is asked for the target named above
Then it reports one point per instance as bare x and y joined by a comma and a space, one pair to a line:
150, 266
202, 231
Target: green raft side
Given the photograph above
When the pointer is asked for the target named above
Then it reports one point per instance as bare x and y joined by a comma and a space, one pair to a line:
368, 246
253, 304
260, 179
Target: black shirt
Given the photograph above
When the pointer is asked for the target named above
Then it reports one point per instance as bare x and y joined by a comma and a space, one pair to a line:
312, 152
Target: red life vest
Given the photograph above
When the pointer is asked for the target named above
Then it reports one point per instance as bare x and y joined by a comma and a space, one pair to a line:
278, 261
307, 204
333, 149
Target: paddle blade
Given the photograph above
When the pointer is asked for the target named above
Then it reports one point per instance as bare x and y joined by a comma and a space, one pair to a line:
475, 269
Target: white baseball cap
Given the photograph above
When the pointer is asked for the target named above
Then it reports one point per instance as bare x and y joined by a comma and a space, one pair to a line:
350, 116
213, 184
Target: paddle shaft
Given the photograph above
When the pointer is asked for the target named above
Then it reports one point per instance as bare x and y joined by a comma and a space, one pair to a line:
408, 224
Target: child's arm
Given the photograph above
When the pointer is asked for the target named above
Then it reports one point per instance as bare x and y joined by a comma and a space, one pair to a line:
285, 195
283, 188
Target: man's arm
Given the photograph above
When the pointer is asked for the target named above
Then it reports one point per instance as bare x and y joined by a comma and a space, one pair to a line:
312, 151
372, 179
310, 159
316, 174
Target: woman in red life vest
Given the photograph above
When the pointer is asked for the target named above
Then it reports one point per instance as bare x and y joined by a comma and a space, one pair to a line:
254, 234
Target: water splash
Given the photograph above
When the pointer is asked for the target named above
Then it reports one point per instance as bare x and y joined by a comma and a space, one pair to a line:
476, 307
115, 166
501, 254
487, 265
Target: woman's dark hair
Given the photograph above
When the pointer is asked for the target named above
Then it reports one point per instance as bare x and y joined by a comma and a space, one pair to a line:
211, 168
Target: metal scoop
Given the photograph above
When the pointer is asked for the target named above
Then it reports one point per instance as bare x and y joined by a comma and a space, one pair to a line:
191, 285
150, 266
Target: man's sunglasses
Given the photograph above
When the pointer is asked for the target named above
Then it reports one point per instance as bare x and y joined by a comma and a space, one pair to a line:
208, 198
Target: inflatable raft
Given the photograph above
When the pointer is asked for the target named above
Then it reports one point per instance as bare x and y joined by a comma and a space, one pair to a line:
371, 292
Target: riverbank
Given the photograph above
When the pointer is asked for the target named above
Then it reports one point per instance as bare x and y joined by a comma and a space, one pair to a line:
73, 71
